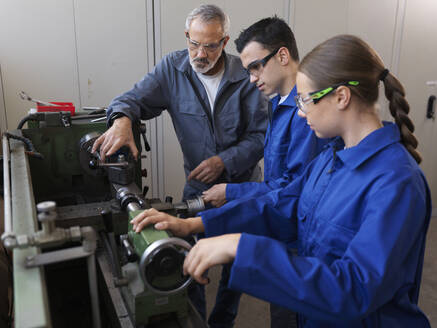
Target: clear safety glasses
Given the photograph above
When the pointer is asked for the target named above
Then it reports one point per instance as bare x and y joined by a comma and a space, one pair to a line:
208, 47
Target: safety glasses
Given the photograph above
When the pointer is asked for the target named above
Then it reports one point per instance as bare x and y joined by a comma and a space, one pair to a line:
254, 68
209, 47
316, 96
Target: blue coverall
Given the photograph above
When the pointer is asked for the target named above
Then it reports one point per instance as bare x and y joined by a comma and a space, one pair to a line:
289, 146
360, 216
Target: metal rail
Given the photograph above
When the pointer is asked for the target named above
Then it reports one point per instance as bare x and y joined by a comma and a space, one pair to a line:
7, 193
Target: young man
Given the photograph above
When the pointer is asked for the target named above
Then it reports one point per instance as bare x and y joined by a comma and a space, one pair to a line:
219, 118
269, 53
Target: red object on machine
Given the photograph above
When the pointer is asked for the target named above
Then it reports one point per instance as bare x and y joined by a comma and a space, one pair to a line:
60, 107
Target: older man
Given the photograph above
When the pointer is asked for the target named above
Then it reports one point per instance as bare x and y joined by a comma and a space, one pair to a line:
219, 118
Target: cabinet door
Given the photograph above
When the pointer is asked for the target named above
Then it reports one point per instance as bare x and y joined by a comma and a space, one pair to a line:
111, 48
172, 15
38, 54
112, 53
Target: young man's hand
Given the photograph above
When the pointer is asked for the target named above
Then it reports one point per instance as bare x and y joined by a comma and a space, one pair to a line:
216, 195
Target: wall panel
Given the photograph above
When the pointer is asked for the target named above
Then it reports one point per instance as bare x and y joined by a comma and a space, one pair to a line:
37, 53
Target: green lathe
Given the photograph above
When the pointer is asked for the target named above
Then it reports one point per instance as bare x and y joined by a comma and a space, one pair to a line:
76, 261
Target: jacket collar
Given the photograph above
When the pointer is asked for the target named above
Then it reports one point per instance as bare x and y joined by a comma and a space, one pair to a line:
289, 101
370, 145
234, 71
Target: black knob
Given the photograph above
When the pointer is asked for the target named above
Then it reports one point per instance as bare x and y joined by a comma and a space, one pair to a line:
169, 199
93, 164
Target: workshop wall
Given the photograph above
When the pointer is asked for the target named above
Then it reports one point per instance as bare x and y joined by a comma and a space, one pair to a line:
90, 51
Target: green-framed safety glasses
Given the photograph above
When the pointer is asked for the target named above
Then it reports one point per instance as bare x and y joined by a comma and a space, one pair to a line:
316, 96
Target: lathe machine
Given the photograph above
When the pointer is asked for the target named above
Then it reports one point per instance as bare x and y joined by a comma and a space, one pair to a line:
76, 260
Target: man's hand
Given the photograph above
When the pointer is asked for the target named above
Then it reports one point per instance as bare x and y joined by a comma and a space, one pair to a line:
216, 195
209, 252
208, 170
161, 221
120, 134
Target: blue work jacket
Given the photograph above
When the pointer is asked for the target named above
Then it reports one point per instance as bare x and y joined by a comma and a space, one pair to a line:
234, 130
289, 146
360, 216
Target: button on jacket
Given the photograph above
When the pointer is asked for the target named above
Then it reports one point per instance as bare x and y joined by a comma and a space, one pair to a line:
360, 222
234, 130
289, 146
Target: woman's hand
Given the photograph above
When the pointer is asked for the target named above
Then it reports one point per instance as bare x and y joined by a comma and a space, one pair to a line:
209, 252
216, 195
161, 221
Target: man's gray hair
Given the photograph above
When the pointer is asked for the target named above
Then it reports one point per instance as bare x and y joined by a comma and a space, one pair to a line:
209, 13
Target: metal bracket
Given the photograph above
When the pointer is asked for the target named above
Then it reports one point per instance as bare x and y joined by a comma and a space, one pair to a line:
56, 256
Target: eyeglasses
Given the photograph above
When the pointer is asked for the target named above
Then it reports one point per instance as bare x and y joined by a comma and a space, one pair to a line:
254, 68
209, 47
316, 96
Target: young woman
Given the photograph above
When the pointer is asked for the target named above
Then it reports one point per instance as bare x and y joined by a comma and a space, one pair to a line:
360, 211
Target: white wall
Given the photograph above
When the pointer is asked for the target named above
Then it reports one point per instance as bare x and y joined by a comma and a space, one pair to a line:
3, 122
417, 65
37, 53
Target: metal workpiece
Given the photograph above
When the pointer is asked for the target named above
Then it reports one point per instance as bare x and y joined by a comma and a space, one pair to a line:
129, 196
191, 206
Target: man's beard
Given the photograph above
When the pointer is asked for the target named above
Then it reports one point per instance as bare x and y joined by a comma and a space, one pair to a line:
206, 65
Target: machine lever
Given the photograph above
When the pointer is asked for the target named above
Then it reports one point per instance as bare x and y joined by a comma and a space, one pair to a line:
143, 133
129, 250
430, 108
169, 199
93, 164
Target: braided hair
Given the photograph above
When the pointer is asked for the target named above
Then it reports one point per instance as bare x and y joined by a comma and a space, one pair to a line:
347, 57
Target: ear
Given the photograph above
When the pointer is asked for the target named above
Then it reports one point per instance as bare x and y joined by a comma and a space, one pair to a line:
225, 41
283, 56
343, 97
